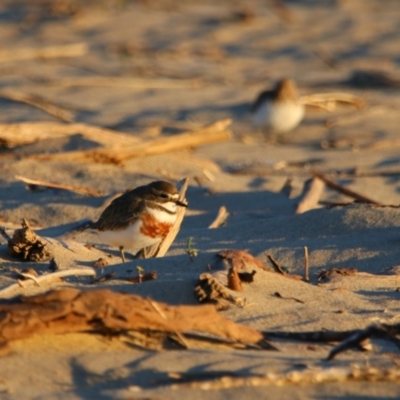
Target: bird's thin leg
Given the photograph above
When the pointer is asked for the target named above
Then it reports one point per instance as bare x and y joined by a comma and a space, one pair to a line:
121, 251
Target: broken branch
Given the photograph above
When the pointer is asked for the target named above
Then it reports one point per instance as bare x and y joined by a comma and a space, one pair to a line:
220, 219
62, 51
38, 102
344, 190
47, 278
212, 133
62, 186
312, 192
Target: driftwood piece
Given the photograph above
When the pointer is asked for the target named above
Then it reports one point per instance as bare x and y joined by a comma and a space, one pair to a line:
210, 290
38, 102
280, 270
62, 186
220, 219
227, 380
328, 101
27, 245
241, 260
61, 51
124, 82
382, 331
347, 192
312, 192
104, 311
160, 249
328, 273
234, 282
306, 265
143, 277
19, 134
46, 279
213, 133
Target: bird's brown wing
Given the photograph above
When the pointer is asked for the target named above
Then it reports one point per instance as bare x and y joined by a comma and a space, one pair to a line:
120, 213
262, 97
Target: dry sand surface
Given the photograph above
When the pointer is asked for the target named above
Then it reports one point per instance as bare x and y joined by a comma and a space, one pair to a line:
155, 69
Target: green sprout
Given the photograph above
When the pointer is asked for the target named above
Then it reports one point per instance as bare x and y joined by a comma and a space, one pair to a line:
140, 270
191, 251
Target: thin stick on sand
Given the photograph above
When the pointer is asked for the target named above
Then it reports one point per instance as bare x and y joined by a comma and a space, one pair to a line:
328, 101
159, 250
62, 186
213, 133
347, 192
19, 134
123, 82
38, 102
220, 219
47, 278
312, 192
306, 265
277, 267
29, 53
223, 380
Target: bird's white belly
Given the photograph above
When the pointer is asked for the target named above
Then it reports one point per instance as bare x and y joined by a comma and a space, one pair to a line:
278, 118
132, 237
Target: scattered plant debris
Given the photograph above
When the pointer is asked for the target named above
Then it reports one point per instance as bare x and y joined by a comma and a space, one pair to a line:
210, 290
27, 245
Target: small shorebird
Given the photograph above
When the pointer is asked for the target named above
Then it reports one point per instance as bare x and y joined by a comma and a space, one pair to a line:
278, 110
139, 218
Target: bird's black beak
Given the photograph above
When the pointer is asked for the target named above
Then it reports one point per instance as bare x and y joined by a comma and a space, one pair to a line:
182, 203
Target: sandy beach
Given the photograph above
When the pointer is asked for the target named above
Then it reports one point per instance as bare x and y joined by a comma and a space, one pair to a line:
91, 91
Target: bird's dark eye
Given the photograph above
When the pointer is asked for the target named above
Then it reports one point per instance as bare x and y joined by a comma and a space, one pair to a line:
164, 196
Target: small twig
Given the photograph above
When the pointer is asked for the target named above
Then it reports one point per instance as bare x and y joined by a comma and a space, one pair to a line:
278, 268
228, 380
311, 195
50, 277
277, 294
161, 249
306, 265
19, 134
178, 334
131, 83
62, 186
62, 51
382, 331
28, 276
222, 216
104, 278
344, 190
38, 102
234, 282
212, 133
328, 100
140, 278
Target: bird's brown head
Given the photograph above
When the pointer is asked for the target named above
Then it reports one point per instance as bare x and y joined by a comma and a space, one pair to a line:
286, 90
164, 192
